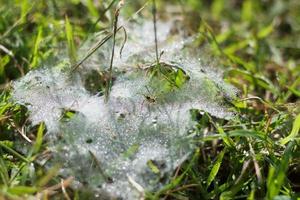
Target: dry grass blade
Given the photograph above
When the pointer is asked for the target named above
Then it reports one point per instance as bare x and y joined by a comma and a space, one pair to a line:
115, 29
49, 191
154, 11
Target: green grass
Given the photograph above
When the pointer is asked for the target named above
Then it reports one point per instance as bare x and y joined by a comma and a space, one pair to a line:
257, 43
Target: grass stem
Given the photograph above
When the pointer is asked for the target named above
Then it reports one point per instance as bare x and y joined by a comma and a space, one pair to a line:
154, 11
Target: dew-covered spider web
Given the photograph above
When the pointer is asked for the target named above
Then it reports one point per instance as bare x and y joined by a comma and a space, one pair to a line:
132, 142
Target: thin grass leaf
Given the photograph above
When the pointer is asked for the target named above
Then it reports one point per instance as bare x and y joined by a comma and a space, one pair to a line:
39, 139
13, 152
3, 62
154, 11
231, 193
227, 140
217, 8
251, 195
35, 53
25, 7
153, 167
294, 132
208, 32
232, 49
294, 91
277, 174
102, 14
70, 41
266, 31
255, 79
250, 133
176, 181
4, 175
92, 8
249, 66
115, 30
247, 10
46, 178
215, 169
19, 22
93, 50
22, 190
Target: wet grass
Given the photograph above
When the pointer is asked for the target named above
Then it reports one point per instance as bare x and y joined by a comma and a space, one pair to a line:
257, 43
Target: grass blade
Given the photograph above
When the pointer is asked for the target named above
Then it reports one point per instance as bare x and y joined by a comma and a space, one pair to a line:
277, 175
10, 150
215, 169
22, 190
70, 40
294, 132
35, 53
39, 138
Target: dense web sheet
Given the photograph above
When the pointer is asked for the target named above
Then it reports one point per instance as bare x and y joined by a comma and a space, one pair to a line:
134, 141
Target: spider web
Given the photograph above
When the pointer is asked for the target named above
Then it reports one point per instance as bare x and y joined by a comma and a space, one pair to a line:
127, 143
